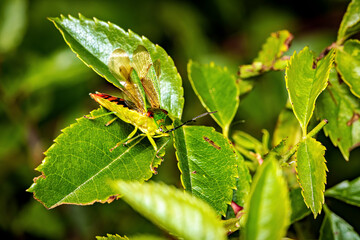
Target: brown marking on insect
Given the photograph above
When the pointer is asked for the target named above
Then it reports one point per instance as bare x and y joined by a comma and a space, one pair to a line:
118, 101
353, 119
194, 172
212, 143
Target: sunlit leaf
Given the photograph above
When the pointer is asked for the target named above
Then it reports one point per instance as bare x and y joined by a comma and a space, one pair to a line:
176, 211
112, 237
136, 237
350, 23
311, 171
347, 60
217, 90
334, 227
342, 110
207, 163
77, 166
93, 41
346, 191
270, 55
13, 23
243, 183
268, 208
305, 80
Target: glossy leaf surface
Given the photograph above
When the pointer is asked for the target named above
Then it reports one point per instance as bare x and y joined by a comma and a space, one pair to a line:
305, 80
93, 41
208, 165
79, 164
334, 227
346, 191
268, 208
347, 62
217, 90
177, 211
311, 172
342, 110
350, 23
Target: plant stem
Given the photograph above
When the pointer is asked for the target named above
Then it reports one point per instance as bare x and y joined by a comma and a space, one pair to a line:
317, 128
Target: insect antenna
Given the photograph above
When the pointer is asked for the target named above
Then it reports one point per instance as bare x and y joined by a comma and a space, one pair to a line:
189, 121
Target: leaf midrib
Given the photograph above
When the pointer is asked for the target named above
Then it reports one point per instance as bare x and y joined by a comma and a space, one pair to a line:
95, 175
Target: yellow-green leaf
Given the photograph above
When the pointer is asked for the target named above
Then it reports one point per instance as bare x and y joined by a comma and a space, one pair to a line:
305, 80
270, 55
350, 23
175, 210
217, 90
208, 165
93, 41
342, 110
347, 60
268, 207
311, 172
77, 166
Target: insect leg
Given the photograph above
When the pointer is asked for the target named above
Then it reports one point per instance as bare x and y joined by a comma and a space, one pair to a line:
127, 139
152, 141
98, 116
111, 121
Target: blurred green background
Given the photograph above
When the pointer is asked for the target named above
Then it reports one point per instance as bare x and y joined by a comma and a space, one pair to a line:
44, 88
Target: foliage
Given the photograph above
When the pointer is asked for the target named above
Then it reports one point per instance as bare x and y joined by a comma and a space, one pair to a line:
229, 184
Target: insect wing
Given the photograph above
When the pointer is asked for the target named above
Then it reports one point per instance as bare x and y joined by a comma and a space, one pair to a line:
120, 67
148, 74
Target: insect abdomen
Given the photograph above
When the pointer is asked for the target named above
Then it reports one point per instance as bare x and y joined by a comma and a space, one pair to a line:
122, 110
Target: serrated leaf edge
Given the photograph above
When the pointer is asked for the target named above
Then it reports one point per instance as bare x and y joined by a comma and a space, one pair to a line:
325, 181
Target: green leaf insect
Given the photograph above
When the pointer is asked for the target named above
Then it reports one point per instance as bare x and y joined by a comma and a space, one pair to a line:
140, 101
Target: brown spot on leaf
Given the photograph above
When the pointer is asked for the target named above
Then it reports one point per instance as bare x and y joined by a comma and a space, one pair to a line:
314, 65
112, 198
353, 119
212, 143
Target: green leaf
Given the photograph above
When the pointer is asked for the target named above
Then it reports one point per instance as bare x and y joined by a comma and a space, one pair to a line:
350, 23
311, 172
176, 211
207, 162
334, 227
268, 207
346, 191
136, 237
342, 110
93, 41
243, 182
347, 60
217, 90
78, 165
13, 17
305, 80
298, 207
287, 127
248, 142
270, 55
61, 68
245, 86
112, 237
